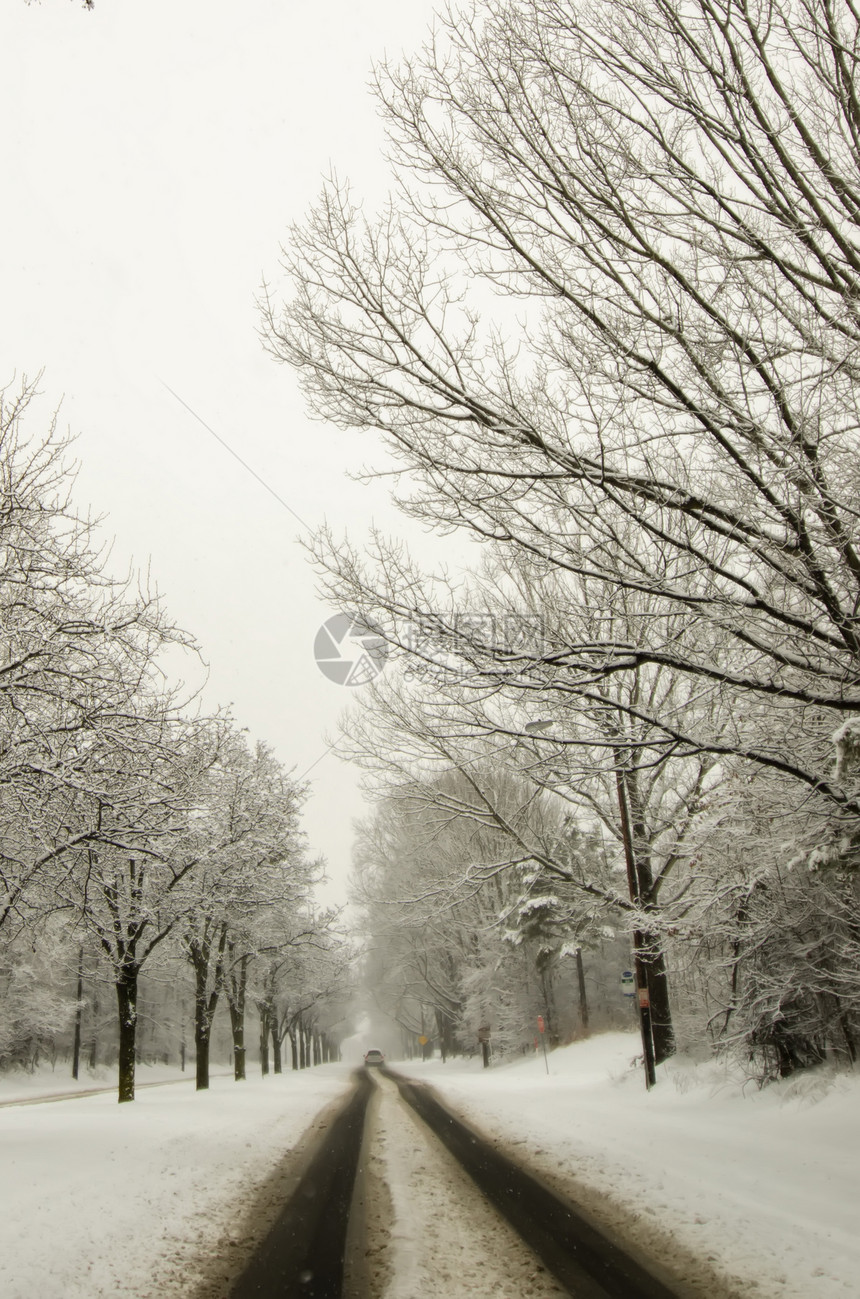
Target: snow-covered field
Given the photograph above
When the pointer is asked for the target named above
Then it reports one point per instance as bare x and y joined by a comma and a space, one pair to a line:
705, 1172
99, 1200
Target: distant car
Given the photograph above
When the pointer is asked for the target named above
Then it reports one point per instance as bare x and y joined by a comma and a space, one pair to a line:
373, 1056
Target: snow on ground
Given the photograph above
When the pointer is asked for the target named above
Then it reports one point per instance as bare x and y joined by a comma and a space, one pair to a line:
44, 1083
99, 1199
437, 1235
705, 1172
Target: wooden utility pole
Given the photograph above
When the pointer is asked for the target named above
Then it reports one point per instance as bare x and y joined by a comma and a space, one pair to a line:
642, 992
79, 1013
583, 998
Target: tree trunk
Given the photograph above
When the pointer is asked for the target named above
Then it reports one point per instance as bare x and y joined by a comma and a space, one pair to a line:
662, 1032
94, 1040
294, 1051
208, 963
276, 1047
236, 993
634, 885
237, 1027
126, 995
653, 956
549, 1005
204, 1009
201, 1051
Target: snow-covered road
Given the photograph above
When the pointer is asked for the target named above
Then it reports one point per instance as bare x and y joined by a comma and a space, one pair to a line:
739, 1192
433, 1234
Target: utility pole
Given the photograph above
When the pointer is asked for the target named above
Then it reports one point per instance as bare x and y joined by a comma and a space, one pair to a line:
633, 885
583, 996
79, 1012
642, 993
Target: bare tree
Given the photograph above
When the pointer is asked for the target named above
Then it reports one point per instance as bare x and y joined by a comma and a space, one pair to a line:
463, 942
609, 319
247, 810
306, 969
134, 891
78, 653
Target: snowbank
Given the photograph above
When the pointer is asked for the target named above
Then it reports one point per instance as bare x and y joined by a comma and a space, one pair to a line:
45, 1083
763, 1187
99, 1199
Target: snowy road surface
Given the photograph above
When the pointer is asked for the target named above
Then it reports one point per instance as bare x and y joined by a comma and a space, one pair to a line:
303, 1255
430, 1233
741, 1193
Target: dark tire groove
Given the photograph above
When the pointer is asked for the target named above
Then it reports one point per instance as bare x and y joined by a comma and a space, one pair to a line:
302, 1257
585, 1261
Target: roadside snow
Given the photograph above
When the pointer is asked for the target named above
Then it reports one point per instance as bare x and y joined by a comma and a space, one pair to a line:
705, 1172
43, 1084
99, 1199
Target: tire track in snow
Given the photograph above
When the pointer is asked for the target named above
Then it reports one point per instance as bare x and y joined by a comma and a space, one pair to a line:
403, 1199
303, 1255
587, 1262
442, 1237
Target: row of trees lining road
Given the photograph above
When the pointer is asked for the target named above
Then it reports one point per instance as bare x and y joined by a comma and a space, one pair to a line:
131, 829
463, 939
50, 1018
607, 325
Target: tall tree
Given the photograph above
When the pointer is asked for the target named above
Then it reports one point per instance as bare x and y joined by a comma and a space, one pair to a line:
135, 890
248, 813
77, 648
609, 319
441, 873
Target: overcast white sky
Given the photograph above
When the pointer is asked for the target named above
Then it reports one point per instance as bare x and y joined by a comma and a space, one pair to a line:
153, 155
